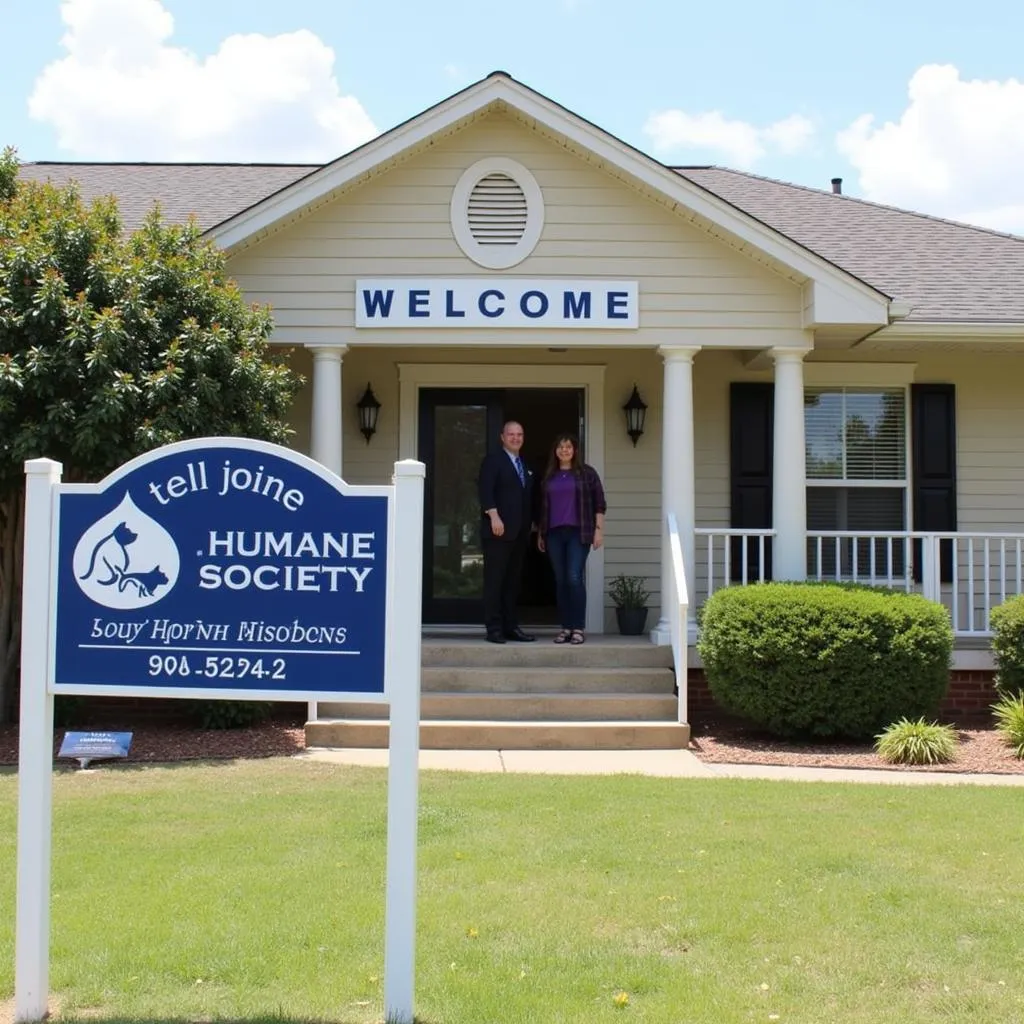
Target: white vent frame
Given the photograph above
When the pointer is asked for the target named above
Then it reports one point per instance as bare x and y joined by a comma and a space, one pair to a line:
497, 257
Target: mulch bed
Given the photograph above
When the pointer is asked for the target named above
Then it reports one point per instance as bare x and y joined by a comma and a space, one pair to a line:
164, 732
726, 741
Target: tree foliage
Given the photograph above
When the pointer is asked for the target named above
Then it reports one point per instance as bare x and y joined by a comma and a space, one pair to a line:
111, 345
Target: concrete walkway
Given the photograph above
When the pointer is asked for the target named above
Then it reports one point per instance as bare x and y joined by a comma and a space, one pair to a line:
664, 763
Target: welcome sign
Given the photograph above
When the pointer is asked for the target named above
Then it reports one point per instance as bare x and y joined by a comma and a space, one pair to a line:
497, 302
213, 567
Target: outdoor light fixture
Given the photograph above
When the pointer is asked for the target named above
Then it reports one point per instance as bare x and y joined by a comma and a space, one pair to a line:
369, 408
636, 413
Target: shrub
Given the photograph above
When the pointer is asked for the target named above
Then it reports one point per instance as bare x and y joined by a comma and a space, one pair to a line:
231, 714
1009, 714
825, 660
1008, 645
920, 742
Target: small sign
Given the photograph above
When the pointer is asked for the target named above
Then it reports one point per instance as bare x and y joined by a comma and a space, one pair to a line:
477, 302
221, 568
95, 746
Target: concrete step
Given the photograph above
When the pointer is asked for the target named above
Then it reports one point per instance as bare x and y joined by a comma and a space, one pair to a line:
538, 707
492, 735
535, 680
597, 652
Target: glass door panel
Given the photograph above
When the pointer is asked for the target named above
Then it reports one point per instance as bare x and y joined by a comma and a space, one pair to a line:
456, 429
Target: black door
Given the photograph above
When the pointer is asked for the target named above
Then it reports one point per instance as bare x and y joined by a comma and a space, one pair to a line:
457, 427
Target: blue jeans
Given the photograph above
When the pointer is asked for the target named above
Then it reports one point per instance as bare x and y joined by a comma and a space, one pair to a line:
568, 556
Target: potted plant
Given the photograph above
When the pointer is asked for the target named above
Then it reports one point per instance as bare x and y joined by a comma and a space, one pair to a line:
630, 596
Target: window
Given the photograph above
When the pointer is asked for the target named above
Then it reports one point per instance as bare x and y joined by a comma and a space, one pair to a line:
856, 442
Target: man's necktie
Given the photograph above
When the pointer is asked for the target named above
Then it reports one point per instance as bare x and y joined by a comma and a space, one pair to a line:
519, 470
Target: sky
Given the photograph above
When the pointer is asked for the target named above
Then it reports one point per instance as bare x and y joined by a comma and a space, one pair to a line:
914, 103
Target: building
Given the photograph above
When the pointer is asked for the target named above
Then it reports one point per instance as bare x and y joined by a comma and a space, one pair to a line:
833, 388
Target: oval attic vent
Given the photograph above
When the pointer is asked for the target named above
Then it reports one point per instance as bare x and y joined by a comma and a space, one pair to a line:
497, 212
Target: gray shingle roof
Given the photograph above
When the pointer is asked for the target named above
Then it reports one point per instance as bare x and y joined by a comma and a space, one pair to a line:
945, 271
209, 192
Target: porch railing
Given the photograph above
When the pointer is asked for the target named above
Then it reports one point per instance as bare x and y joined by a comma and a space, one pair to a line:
979, 571
968, 573
727, 556
877, 559
677, 616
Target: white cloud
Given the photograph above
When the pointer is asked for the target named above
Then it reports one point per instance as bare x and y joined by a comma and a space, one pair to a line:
957, 150
738, 143
124, 92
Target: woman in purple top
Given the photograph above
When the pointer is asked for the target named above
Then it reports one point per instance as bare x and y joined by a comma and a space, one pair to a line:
571, 521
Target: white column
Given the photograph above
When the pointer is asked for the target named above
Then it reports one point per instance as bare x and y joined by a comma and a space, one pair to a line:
678, 488
789, 484
325, 432
325, 429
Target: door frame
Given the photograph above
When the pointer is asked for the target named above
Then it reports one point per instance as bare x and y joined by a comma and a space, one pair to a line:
414, 376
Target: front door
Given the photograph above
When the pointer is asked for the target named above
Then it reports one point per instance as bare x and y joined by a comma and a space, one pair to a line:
457, 427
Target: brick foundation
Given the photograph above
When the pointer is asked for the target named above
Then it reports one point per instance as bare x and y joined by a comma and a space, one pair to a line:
970, 695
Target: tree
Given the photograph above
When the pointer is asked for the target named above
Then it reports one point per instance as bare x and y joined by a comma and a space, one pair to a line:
110, 346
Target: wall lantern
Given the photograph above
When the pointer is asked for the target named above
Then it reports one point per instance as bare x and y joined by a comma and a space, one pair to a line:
369, 408
636, 413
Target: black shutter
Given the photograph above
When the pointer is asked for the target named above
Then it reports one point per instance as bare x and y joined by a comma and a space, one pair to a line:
751, 431
933, 421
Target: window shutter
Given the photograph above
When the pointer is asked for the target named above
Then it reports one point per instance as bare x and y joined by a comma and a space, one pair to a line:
751, 431
933, 415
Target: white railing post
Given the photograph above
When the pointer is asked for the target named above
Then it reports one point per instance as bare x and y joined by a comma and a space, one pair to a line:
679, 616
930, 585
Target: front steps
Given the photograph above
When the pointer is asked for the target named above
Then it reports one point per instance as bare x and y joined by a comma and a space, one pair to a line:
612, 693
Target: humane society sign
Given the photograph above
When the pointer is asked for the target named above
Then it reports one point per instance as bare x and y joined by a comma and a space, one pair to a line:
223, 568
214, 565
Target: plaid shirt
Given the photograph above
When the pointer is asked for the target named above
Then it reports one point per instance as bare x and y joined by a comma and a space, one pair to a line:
589, 502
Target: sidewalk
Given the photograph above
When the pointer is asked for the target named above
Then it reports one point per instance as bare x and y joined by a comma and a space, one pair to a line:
680, 764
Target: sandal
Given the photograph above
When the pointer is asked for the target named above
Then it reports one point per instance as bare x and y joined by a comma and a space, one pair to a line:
563, 636
577, 637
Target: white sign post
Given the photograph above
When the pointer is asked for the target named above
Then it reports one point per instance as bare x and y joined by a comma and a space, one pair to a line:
215, 590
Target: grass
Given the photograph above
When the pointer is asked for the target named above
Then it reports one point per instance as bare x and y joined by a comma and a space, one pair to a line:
255, 891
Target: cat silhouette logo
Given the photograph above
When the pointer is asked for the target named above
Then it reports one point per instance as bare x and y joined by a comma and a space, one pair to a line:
126, 559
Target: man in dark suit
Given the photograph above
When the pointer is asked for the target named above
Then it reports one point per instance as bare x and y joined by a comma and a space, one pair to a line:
506, 487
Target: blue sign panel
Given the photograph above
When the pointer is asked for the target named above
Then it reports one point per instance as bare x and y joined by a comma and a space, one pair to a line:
95, 746
221, 567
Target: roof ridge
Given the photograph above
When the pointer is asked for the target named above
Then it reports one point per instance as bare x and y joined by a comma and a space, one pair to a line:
681, 169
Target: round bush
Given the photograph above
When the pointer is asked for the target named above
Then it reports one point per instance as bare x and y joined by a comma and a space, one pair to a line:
805, 659
1008, 646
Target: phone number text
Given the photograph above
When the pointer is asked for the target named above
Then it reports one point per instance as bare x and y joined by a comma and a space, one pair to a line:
181, 666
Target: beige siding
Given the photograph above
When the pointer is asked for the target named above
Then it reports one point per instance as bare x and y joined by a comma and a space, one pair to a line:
595, 226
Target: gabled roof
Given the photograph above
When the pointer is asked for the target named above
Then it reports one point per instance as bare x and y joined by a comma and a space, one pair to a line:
832, 295
943, 270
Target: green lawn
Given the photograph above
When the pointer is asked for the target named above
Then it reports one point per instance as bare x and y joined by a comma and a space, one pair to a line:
255, 891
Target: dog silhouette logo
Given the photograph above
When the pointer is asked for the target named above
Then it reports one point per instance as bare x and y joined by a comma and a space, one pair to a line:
126, 559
